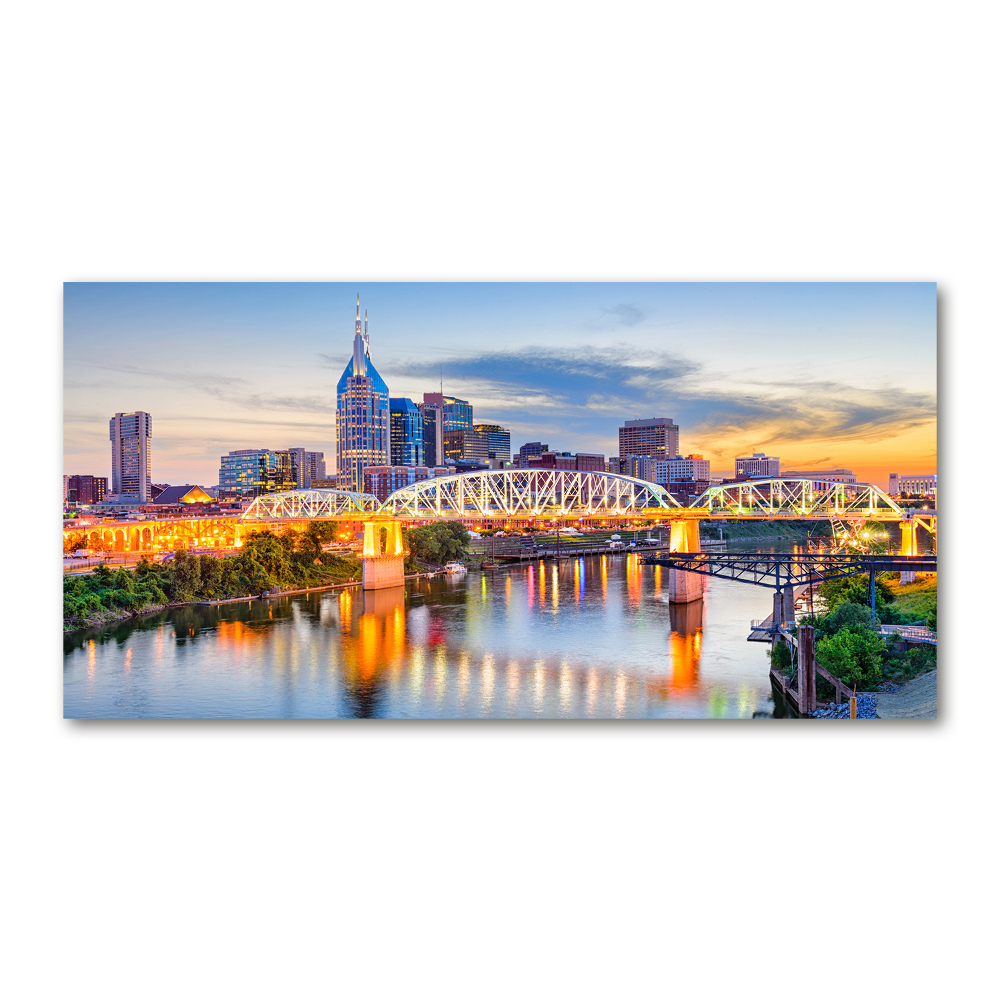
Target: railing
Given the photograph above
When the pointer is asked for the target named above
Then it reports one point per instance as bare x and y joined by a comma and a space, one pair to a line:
911, 633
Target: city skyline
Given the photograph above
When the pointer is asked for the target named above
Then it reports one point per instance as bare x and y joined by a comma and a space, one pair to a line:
821, 375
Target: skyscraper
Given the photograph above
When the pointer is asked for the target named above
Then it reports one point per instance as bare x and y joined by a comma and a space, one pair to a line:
309, 465
656, 438
406, 432
362, 414
131, 436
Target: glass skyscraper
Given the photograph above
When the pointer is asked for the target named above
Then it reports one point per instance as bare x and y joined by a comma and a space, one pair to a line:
406, 432
362, 414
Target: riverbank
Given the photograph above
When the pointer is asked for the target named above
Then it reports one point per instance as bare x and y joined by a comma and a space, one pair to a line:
916, 699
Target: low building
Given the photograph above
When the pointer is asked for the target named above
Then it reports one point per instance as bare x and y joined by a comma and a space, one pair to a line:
579, 462
526, 451
912, 485
823, 476
758, 466
381, 480
85, 489
692, 469
185, 495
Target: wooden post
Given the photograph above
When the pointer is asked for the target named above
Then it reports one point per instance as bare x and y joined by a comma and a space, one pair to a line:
854, 707
807, 670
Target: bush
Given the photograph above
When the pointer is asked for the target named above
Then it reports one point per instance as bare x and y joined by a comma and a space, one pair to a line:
853, 655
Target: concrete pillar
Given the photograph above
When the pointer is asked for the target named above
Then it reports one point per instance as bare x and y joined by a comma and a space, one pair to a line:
788, 604
381, 569
685, 587
777, 608
807, 669
908, 547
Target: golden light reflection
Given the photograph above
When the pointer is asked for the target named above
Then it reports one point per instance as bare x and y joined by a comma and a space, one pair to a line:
507, 590
539, 691
565, 688
513, 684
685, 642
440, 676
621, 692
555, 585
657, 579
593, 687
604, 576
91, 660
128, 660
464, 673
488, 680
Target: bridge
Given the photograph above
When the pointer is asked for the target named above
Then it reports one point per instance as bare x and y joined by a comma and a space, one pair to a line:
522, 498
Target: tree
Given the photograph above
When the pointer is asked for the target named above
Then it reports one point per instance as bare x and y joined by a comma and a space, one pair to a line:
186, 576
855, 656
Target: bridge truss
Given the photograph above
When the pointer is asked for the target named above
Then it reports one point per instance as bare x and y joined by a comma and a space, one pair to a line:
526, 493
295, 504
799, 498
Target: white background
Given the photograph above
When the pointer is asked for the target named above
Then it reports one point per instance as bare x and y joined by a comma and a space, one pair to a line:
535, 140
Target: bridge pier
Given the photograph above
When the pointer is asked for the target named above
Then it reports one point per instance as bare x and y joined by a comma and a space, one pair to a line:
685, 587
908, 529
382, 555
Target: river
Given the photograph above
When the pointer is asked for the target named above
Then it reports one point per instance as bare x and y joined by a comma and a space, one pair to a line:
589, 638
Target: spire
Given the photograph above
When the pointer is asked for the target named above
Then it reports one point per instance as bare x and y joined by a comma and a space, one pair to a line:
366, 332
360, 342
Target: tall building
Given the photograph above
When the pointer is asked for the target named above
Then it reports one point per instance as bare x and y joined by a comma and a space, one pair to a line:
86, 489
758, 466
362, 414
309, 465
656, 437
432, 423
465, 443
457, 412
497, 440
131, 437
406, 432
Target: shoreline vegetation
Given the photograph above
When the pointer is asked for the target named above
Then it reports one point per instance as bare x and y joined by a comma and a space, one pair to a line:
848, 641
267, 563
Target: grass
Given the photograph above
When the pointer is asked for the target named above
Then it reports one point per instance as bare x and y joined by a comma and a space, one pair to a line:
919, 598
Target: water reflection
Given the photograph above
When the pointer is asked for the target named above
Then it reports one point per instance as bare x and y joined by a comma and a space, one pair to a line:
582, 638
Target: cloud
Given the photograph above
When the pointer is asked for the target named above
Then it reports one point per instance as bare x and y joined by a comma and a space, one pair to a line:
627, 314
587, 392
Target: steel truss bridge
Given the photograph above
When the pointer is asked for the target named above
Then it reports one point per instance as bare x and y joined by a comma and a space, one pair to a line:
508, 494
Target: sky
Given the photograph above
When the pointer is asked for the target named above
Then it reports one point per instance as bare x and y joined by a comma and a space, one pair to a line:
822, 375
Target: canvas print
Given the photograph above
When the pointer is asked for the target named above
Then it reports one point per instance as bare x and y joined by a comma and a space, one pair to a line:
500, 500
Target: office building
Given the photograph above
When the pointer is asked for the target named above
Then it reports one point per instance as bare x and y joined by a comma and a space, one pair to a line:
581, 462
131, 445
457, 413
381, 480
823, 475
362, 414
656, 437
613, 465
693, 469
309, 465
465, 444
406, 432
758, 466
86, 489
432, 424
526, 450
497, 441
252, 472
920, 486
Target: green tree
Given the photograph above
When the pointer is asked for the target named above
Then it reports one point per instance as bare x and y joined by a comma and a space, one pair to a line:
854, 656
186, 576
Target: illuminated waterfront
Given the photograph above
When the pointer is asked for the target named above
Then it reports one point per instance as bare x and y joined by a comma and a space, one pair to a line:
588, 638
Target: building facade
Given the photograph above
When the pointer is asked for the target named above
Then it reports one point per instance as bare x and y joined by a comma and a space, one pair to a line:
656, 437
381, 480
526, 450
252, 472
406, 432
916, 485
823, 475
309, 465
362, 414
758, 466
131, 452
86, 489
497, 441
693, 469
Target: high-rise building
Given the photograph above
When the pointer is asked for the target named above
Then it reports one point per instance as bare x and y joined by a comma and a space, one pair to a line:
581, 462
497, 441
457, 412
131, 437
432, 424
309, 465
656, 437
465, 443
252, 472
406, 433
86, 489
758, 466
362, 414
